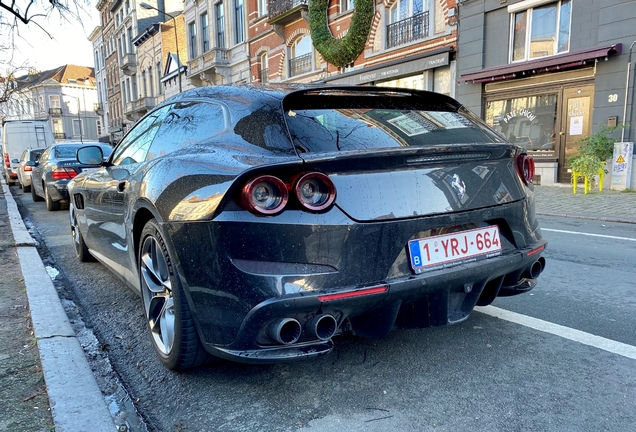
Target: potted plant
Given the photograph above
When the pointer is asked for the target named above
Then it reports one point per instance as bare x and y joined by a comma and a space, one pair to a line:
594, 152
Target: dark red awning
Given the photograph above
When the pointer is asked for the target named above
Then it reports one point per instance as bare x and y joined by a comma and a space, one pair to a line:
558, 62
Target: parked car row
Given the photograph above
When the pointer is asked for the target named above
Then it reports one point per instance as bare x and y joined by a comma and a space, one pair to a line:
258, 223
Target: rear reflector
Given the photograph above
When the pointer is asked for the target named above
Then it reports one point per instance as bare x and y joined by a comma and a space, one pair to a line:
350, 294
535, 251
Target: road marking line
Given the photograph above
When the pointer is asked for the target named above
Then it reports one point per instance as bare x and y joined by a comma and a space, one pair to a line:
608, 345
588, 234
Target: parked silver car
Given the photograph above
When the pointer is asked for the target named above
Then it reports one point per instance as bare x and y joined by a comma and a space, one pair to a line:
24, 170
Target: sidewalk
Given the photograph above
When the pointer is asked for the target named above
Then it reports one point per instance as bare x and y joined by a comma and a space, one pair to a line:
75, 401
609, 205
60, 377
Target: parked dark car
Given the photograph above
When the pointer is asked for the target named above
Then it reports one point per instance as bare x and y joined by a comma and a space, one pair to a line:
24, 170
56, 166
259, 222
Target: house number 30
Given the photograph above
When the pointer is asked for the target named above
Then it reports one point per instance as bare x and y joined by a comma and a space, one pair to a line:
612, 98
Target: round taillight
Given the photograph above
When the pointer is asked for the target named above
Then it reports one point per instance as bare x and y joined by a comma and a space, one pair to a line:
525, 168
265, 195
315, 191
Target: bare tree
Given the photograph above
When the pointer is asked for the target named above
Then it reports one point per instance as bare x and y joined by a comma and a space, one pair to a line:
16, 15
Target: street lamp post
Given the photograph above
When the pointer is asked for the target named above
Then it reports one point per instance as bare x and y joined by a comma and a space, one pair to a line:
145, 5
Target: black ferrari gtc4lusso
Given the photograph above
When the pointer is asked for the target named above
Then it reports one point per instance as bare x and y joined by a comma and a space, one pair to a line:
257, 223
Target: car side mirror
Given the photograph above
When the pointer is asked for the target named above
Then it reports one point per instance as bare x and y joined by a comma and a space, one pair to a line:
90, 155
31, 163
15, 161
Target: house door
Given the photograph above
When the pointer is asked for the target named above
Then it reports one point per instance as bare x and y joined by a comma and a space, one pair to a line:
576, 123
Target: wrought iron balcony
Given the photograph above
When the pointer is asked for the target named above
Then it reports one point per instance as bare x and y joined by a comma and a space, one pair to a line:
59, 135
300, 65
283, 11
408, 30
264, 75
55, 112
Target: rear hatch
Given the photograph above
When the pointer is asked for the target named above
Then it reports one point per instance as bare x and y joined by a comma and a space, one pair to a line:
401, 154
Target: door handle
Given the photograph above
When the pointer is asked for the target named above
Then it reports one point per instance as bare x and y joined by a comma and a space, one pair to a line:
121, 186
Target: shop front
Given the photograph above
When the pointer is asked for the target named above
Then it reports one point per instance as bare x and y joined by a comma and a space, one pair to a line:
545, 105
432, 71
548, 119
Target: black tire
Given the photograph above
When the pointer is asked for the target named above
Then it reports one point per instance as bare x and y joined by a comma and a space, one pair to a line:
26, 189
176, 339
34, 195
81, 250
50, 204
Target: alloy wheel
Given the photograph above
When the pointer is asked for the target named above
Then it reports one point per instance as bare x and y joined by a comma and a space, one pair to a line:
156, 290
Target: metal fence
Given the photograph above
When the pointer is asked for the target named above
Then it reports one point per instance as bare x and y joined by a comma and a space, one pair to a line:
279, 7
408, 30
300, 65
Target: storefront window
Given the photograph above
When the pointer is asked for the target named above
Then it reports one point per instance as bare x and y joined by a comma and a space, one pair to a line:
412, 82
526, 121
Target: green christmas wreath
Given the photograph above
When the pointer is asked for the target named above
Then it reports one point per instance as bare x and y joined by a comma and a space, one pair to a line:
340, 52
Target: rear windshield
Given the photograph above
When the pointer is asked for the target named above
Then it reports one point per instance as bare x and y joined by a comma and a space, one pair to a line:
70, 151
329, 130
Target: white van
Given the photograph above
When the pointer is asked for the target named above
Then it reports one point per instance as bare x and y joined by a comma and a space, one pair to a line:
17, 136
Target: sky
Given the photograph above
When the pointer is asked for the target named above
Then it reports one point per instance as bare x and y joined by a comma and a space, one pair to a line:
70, 44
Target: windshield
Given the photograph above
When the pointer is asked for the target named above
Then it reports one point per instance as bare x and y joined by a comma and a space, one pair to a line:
328, 130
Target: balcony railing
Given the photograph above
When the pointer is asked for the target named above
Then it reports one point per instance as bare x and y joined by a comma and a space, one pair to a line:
279, 7
300, 65
59, 135
264, 75
408, 30
55, 112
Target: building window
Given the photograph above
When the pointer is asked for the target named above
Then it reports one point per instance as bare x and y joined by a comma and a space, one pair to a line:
205, 33
151, 83
159, 89
54, 101
540, 31
77, 127
264, 68
144, 89
192, 36
346, 5
130, 38
239, 21
262, 7
300, 56
408, 22
220, 25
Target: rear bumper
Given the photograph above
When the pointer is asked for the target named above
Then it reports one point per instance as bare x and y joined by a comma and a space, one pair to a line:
58, 190
437, 298
242, 275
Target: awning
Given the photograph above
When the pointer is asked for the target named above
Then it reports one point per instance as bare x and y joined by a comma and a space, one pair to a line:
554, 63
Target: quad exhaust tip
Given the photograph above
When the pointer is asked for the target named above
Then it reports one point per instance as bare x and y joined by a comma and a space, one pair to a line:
535, 269
322, 327
285, 331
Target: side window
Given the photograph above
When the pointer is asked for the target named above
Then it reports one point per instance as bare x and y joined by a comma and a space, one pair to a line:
45, 155
186, 124
134, 147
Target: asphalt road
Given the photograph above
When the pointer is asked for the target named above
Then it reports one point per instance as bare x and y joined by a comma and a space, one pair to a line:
485, 374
